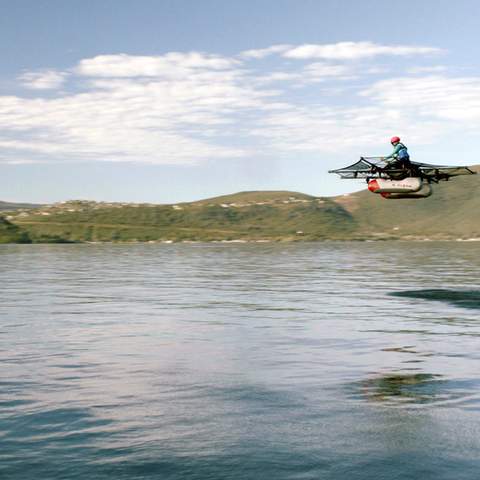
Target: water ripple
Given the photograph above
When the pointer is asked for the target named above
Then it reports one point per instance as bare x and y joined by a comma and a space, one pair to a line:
324, 360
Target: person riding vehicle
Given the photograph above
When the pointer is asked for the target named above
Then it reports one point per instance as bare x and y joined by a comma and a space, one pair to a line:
399, 158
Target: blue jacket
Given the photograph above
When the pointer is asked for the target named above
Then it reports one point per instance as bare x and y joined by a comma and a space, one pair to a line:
399, 152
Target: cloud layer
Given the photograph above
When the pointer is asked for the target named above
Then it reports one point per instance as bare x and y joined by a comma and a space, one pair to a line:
354, 51
45, 80
181, 108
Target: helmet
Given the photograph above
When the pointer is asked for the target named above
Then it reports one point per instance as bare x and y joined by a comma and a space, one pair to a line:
394, 139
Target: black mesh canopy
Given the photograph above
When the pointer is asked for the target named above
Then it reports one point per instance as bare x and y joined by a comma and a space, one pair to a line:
375, 167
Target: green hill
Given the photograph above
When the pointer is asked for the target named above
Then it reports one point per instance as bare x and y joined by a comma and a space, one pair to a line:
452, 212
244, 216
256, 196
10, 233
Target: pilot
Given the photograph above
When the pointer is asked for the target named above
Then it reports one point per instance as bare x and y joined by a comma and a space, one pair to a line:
399, 158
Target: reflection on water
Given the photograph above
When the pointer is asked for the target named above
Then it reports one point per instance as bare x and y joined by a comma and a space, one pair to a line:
239, 361
417, 389
459, 298
411, 388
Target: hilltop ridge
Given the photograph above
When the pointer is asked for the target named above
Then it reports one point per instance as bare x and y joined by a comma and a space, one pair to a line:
7, 206
453, 212
257, 196
242, 216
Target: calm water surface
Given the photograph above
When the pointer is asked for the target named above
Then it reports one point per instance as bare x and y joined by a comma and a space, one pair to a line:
313, 361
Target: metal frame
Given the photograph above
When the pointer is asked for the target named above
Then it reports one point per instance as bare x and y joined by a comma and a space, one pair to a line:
375, 167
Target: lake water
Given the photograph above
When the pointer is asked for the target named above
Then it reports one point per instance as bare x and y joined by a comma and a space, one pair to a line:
266, 361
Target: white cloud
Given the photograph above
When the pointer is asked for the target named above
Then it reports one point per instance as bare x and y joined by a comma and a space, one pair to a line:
265, 52
354, 51
44, 80
319, 71
104, 127
327, 70
354, 131
164, 117
171, 65
181, 108
437, 97
312, 73
277, 77
423, 70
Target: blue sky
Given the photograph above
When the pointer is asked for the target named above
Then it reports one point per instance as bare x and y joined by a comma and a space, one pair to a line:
167, 101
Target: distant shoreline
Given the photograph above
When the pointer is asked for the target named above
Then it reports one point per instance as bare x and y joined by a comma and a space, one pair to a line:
453, 214
253, 242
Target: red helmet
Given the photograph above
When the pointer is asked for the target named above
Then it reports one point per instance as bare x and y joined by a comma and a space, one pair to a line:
394, 139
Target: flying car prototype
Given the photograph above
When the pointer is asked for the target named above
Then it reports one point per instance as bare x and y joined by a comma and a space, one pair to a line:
414, 181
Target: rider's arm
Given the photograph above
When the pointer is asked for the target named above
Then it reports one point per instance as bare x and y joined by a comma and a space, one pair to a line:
394, 153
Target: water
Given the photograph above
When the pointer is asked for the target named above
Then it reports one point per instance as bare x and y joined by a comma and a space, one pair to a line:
299, 361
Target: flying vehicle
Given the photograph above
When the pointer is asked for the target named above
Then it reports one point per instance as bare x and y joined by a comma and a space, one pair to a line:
394, 183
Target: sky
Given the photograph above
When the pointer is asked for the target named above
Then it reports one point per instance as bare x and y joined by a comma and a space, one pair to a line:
166, 101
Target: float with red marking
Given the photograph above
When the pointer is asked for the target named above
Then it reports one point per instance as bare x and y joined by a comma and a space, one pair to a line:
383, 185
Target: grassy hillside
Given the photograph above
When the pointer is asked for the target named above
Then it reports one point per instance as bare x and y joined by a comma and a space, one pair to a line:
10, 233
251, 197
248, 216
452, 212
